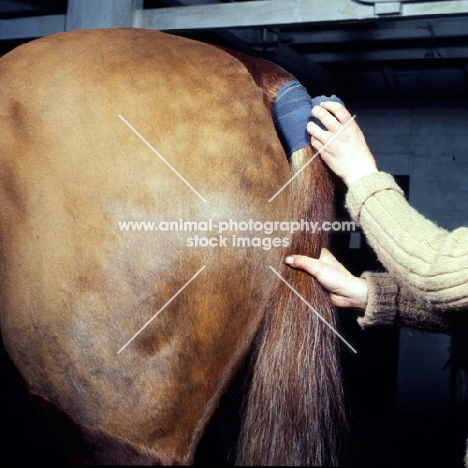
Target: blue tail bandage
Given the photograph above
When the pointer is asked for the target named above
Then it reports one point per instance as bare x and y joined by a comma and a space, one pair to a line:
291, 111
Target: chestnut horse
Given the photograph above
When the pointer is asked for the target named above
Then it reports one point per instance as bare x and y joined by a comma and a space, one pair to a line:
125, 342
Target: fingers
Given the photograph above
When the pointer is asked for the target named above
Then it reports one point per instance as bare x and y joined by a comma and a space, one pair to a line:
332, 115
339, 111
327, 118
345, 289
310, 265
318, 134
313, 266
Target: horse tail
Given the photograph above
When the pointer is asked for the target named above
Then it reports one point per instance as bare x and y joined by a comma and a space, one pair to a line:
294, 413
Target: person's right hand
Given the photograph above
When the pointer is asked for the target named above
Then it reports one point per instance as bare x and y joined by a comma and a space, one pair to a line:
345, 289
347, 155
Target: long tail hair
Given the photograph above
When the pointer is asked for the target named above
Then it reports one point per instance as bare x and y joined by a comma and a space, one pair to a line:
294, 413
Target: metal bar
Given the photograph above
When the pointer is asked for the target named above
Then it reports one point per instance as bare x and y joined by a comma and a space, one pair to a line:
31, 27
407, 53
86, 14
251, 14
259, 13
273, 13
451, 28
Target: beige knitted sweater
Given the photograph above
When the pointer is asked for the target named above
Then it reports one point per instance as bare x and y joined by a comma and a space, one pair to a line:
426, 286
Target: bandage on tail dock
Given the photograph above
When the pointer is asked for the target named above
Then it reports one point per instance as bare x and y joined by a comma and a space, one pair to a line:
291, 112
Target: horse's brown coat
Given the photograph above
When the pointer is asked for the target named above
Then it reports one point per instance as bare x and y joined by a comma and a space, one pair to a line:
74, 288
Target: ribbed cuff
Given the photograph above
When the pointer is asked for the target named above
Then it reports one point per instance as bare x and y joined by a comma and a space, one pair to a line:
364, 188
381, 306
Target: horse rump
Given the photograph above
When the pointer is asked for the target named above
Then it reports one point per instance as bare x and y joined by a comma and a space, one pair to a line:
74, 286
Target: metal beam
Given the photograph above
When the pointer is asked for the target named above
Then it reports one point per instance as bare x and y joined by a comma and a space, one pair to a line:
259, 13
87, 14
407, 53
274, 13
31, 27
81, 14
10, 6
451, 28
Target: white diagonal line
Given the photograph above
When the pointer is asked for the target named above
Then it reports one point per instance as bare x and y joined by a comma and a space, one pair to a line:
316, 313
311, 159
161, 309
160, 156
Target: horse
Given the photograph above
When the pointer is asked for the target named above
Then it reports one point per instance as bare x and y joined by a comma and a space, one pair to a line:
128, 338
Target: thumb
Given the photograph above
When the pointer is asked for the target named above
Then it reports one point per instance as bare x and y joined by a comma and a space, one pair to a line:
325, 254
327, 257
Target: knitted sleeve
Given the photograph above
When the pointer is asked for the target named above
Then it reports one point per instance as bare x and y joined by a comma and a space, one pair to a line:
431, 263
390, 304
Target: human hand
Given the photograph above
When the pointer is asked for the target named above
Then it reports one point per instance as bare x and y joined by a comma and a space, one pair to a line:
344, 150
345, 289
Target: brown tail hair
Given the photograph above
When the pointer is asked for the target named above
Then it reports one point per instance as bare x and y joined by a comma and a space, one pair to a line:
294, 413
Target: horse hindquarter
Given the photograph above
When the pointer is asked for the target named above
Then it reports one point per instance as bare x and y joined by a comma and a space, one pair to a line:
75, 288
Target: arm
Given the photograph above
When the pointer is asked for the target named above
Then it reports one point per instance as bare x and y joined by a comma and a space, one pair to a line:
376, 297
390, 304
430, 262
